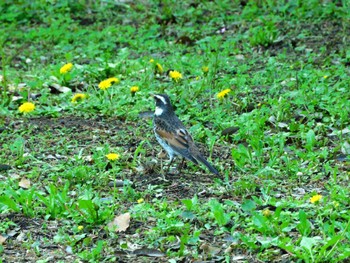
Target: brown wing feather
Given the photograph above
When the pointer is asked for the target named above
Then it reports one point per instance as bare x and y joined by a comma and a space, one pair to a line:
173, 140
181, 142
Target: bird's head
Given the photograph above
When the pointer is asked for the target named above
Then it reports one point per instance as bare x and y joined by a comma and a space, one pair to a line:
163, 104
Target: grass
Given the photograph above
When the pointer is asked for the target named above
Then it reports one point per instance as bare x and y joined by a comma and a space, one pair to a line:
279, 137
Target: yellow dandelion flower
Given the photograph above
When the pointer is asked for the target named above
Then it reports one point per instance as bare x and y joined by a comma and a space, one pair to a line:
325, 76
66, 68
78, 97
205, 69
151, 60
80, 228
105, 84
175, 75
266, 212
134, 89
141, 200
26, 107
315, 199
113, 80
223, 93
113, 156
159, 68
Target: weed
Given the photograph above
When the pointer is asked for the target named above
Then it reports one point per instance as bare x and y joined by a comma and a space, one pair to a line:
262, 86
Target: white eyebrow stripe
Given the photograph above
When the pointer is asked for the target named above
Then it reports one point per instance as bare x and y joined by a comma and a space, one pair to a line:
161, 98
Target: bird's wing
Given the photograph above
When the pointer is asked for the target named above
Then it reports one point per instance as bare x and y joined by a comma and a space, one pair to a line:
180, 140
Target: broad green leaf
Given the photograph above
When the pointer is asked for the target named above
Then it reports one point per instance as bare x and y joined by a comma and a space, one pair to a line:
9, 203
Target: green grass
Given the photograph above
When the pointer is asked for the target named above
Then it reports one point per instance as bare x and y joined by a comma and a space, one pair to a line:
279, 137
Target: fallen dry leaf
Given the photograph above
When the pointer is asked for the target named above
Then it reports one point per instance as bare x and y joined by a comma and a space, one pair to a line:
121, 222
2, 239
208, 249
24, 183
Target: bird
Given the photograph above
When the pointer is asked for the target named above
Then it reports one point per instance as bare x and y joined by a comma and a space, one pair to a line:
173, 136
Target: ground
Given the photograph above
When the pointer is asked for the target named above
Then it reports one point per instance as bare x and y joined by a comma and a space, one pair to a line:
280, 137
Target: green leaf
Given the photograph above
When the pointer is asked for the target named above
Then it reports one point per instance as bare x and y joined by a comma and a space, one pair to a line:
310, 139
322, 253
187, 203
188, 215
89, 208
309, 242
304, 226
218, 212
260, 222
344, 255
248, 206
9, 203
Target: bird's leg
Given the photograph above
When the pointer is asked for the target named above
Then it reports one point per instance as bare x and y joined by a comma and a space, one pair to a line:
179, 168
170, 163
167, 170
181, 165
161, 161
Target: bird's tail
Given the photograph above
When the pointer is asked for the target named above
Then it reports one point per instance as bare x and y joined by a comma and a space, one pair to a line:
201, 159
